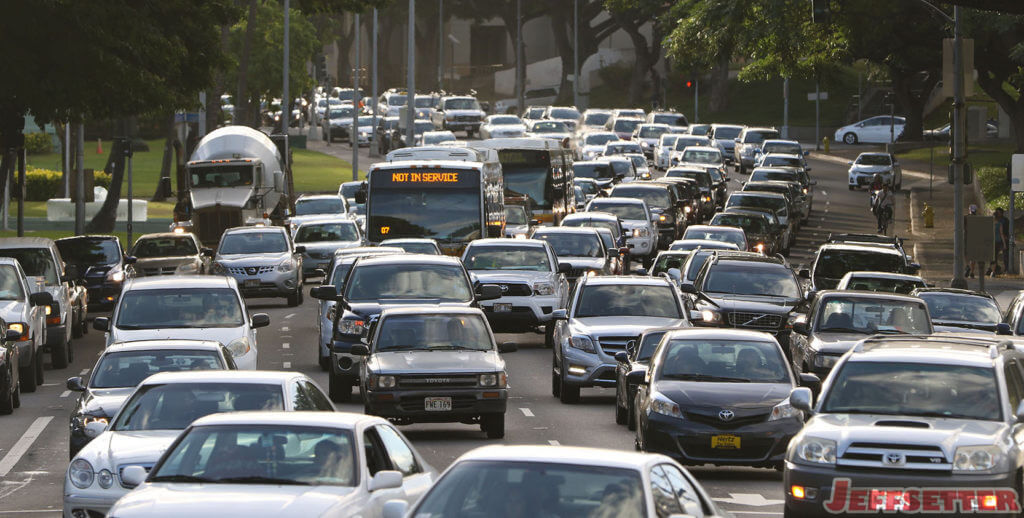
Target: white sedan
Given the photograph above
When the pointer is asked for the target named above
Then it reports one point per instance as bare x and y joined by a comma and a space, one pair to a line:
874, 130
502, 126
279, 465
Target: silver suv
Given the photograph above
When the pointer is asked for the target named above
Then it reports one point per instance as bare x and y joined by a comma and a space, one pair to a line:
264, 261
23, 310
911, 420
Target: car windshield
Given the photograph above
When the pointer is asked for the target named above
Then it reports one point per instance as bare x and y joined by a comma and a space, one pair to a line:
648, 343
89, 251
874, 160
639, 161
516, 215
413, 247
914, 389
601, 170
782, 161
612, 226
550, 126
37, 262
253, 243
505, 119
446, 283
10, 283
626, 125
666, 260
655, 197
652, 131
340, 113
531, 258
146, 248
961, 308
737, 278
699, 129
767, 175
627, 300
668, 139
173, 406
538, 489
672, 119
423, 101
696, 262
722, 361
397, 100
734, 236
596, 118
221, 175
757, 137
727, 132
835, 263
749, 224
279, 454
573, 244
777, 204
702, 156
588, 187
883, 284
129, 368
869, 316
621, 148
564, 113
600, 139
627, 211
787, 148
314, 232
179, 308
433, 333
319, 206
461, 104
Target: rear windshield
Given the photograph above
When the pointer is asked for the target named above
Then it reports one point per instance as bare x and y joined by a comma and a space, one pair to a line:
757, 137
659, 198
164, 247
327, 232
566, 244
37, 262
834, 264
632, 211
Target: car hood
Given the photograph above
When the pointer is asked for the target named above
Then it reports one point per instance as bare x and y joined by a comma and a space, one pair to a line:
112, 449
252, 259
622, 325
105, 402
160, 262
491, 276
715, 396
893, 429
753, 303
329, 246
203, 197
835, 343
435, 362
583, 263
13, 310
856, 168
173, 500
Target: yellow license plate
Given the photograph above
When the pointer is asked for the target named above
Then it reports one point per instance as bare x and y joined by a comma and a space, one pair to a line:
725, 442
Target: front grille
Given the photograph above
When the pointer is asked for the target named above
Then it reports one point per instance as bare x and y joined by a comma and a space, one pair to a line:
613, 344
466, 118
318, 255
212, 222
437, 381
415, 403
249, 270
166, 270
120, 470
895, 456
515, 289
736, 422
755, 320
699, 447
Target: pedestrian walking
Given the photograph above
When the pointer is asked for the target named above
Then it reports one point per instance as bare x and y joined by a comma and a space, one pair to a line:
972, 266
1002, 239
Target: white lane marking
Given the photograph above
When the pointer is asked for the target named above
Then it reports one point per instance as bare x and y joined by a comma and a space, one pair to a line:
287, 365
285, 345
84, 372
285, 329
24, 443
824, 192
527, 412
66, 393
752, 499
554, 443
33, 511
289, 315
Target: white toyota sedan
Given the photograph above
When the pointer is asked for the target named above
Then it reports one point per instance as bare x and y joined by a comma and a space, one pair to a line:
874, 130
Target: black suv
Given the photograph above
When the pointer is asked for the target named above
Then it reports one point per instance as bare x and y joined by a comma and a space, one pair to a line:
834, 260
102, 267
666, 207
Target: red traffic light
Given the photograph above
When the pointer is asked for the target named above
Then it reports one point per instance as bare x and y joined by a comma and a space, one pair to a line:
689, 84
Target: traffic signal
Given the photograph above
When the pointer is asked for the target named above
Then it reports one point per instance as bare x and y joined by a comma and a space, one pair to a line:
321, 68
689, 83
820, 11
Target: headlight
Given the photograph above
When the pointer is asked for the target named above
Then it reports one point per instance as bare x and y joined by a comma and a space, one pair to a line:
641, 232
687, 209
21, 327
784, 410
825, 361
712, 317
385, 382
583, 343
543, 288
115, 276
706, 198
664, 406
187, 268
81, 474
83, 420
239, 347
218, 269
976, 458
286, 266
105, 479
662, 217
805, 190
350, 327
496, 380
759, 247
816, 451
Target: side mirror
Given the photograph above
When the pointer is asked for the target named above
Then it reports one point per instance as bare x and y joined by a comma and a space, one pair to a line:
71, 272
811, 295
488, 292
564, 267
535, 222
621, 357
559, 314
101, 324
75, 384
804, 273
850, 162
361, 194
130, 259
259, 320
360, 350
688, 289
800, 327
94, 429
1019, 412
319, 272
641, 271
811, 381
507, 347
385, 479
12, 335
300, 249
324, 292
133, 475
394, 509
913, 268
1003, 328
676, 276
41, 298
636, 377
800, 398
279, 181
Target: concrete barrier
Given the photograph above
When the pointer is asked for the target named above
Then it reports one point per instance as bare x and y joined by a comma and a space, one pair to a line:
61, 209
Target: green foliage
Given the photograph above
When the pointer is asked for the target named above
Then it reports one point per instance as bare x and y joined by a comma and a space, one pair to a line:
43, 184
36, 143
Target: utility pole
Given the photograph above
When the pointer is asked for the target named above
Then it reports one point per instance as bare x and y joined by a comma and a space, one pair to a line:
576, 53
696, 98
21, 189
373, 85
286, 110
202, 115
410, 111
128, 154
785, 107
440, 45
520, 68
957, 132
80, 181
817, 116
353, 136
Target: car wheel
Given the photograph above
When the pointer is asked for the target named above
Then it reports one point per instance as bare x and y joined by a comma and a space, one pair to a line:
570, 394
325, 363
7, 400
71, 352
494, 425
850, 138
556, 384
59, 356
339, 388
39, 367
621, 414
549, 335
27, 375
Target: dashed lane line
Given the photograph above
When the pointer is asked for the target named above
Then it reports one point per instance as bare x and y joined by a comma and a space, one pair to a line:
285, 328
84, 372
24, 443
66, 393
285, 345
287, 365
554, 443
527, 412
289, 315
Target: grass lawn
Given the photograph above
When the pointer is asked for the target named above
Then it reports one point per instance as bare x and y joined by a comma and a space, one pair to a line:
989, 161
317, 172
37, 209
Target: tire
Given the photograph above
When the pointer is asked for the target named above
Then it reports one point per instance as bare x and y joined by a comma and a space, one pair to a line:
850, 138
17, 396
295, 298
340, 388
39, 367
494, 425
570, 394
556, 385
59, 356
7, 401
325, 363
71, 352
549, 335
621, 414
27, 376
76, 330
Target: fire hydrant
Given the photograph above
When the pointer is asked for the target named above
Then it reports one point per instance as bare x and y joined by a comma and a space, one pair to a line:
826, 143
929, 216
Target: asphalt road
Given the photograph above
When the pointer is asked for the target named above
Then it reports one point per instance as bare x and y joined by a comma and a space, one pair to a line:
33, 441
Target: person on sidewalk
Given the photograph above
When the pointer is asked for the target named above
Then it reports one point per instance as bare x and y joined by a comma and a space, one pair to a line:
972, 266
883, 207
1002, 241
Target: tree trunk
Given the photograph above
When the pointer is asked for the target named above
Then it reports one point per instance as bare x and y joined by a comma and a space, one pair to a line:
163, 186
561, 28
242, 101
911, 103
992, 81
718, 83
104, 220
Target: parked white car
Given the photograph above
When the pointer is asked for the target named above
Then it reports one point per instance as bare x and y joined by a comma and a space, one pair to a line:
873, 130
192, 307
322, 469
152, 418
23, 304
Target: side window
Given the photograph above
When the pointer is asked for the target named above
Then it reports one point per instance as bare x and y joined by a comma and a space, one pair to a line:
685, 494
665, 502
320, 401
1014, 384
376, 459
228, 359
300, 397
398, 451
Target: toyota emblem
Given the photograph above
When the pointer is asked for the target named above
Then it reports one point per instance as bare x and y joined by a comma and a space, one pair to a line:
894, 459
726, 415
504, 288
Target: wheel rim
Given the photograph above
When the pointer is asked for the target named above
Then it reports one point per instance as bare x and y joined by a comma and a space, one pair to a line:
850, 138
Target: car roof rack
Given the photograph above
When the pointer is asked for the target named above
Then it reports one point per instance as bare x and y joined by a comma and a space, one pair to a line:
853, 237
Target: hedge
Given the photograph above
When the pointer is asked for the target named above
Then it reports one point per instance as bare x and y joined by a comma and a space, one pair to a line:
43, 184
38, 143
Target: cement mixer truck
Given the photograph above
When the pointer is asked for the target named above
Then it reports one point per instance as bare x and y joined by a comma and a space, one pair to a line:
238, 176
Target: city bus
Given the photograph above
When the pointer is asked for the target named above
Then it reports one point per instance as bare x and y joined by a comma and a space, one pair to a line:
450, 194
538, 173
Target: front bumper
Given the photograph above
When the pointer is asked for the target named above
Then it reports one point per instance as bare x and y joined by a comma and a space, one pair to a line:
311, 264
268, 284
821, 478
864, 179
102, 297
462, 125
522, 312
762, 444
641, 245
343, 363
409, 404
94, 502
583, 369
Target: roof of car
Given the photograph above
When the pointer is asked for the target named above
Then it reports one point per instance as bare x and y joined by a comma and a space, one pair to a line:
612, 199
91, 236
703, 148
564, 230
591, 215
564, 455
319, 419
706, 333
431, 310
883, 275
779, 141
259, 229
178, 281
602, 280
408, 240
823, 294
722, 256
236, 376
163, 344
873, 153
746, 211
164, 235
508, 242
705, 228
318, 197
410, 258
25, 242
360, 250
957, 349
328, 219
951, 291
865, 248
759, 128
638, 185
703, 242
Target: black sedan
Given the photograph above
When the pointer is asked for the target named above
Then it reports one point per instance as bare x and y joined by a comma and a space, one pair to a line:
718, 396
636, 357
102, 265
958, 310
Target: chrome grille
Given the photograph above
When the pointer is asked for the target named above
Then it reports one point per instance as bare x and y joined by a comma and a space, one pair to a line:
437, 381
120, 470
249, 270
467, 118
613, 344
755, 320
895, 456
166, 270
515, 289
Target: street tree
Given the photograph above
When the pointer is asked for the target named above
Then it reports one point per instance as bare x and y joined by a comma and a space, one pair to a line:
999, 60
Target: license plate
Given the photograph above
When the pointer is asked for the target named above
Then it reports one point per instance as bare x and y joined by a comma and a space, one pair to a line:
502, 308
251, 283
437, 404
725, 442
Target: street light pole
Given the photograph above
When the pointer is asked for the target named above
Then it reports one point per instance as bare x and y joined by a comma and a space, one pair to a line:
440, 45
520, 69
576, 53
957, 132
353, 136
410, 111
373, 85
286, 110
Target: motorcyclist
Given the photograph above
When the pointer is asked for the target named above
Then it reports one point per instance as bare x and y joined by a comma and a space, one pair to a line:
882, 205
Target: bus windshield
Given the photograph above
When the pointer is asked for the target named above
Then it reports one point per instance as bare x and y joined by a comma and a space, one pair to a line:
445, 207
527, 172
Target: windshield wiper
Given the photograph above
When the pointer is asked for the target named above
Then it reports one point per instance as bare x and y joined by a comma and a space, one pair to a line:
845, 330
891, 331
180, 478
705, 377
261, 480
942, 414
452, 348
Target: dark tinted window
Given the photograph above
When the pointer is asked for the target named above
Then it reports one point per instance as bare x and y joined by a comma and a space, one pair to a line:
740, 279
835, 263
628, 300
253, 243
164, 247
567, 244
399, 452
722, 361
174, 406
315, 232
89, 251
37, 262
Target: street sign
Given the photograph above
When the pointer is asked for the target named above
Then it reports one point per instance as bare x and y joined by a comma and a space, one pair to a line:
1017, 173
947, 66
823, 96
979, 238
